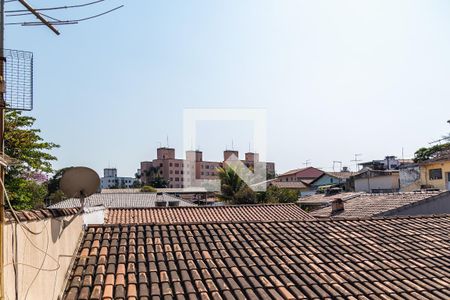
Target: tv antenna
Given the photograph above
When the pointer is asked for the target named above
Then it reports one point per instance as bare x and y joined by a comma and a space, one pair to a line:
337, 162
356, 160
307, 162
43, 17
80, 183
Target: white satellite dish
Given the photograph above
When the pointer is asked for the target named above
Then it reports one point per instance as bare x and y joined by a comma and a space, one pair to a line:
79, 182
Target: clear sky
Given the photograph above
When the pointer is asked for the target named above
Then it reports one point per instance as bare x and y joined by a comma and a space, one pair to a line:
336, 77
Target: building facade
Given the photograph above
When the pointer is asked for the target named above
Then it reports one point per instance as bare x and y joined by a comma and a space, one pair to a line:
377, 181
172, 170
110, 180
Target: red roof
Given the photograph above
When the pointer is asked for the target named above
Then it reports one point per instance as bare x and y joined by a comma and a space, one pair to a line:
304, 173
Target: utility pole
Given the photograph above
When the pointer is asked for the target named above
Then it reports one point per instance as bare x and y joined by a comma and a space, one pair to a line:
2, 145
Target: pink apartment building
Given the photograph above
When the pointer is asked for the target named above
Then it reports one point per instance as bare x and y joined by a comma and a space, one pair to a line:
172, 169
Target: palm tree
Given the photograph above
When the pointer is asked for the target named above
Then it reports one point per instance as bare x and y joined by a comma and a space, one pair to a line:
233, 188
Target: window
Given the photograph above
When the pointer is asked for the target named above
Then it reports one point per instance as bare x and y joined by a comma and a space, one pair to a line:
435, 174
177, 172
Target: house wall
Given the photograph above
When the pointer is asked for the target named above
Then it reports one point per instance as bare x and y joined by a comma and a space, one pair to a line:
59, 244
441, 184
409, 178
371, 184
326, 180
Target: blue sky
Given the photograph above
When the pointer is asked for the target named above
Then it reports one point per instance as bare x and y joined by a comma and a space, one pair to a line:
336, 78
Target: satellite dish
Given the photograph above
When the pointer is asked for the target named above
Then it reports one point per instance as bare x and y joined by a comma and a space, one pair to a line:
79, 182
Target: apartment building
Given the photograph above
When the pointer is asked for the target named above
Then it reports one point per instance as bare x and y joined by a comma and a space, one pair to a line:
173, 169
111, 180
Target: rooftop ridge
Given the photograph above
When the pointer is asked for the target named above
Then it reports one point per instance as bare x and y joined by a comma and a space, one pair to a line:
318, 220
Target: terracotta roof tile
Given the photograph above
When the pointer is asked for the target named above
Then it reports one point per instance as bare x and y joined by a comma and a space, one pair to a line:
177, 215
385, 258
120, 200
368, 205
39, 214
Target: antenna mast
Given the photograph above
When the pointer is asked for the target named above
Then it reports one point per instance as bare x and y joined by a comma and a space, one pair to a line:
356, 160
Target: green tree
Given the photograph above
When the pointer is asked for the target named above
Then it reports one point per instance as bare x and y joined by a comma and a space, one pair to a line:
54, 194
156, 180
233, 188
425, 153
276, 195
30, 153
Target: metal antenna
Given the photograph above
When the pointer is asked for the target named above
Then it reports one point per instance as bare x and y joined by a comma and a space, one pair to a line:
51, 21
39, 16
337, 162
307, 162
356, 160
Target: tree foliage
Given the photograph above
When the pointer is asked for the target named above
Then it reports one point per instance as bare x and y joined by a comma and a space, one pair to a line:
233, 188
24, 144
156, 180
235, 191
277, 195
424, 154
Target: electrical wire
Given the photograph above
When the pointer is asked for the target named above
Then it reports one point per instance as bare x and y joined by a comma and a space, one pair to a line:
27, 229
66, 22
55, 8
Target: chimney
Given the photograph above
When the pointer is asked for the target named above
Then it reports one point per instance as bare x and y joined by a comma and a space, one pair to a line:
337, 205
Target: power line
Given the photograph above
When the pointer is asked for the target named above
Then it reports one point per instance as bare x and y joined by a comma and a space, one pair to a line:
54, 8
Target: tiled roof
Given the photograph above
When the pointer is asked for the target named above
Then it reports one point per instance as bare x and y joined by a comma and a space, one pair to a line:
39, 214
119, 200
289, 184
323, 199
309, 172
238, 213
398, 258
368, 205
341, 175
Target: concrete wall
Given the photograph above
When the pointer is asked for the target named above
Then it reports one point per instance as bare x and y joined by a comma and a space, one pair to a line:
409, 178
371, 184
59, 244
94, 215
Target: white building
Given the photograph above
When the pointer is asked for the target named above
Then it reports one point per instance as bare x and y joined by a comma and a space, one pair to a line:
111, 180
